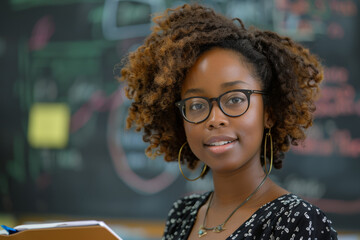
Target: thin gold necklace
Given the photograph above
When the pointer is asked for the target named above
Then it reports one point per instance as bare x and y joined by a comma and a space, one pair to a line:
221, 227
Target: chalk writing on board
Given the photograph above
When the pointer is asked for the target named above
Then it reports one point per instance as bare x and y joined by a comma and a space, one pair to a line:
338, 99
303, 20
339, 142
127, 154
308, 187
42, 32
337, 206
98, 102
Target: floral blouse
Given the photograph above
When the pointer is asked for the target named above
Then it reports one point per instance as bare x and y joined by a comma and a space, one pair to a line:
285, 218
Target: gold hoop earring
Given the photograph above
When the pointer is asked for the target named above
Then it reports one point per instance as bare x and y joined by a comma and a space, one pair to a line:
179, 161
268, 135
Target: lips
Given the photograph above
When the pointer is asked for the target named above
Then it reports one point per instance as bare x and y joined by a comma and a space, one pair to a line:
220, 144
219, 140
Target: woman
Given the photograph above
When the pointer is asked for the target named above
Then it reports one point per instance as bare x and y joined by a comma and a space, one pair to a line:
207, 91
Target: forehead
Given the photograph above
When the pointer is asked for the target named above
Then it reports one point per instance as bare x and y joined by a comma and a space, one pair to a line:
215, 69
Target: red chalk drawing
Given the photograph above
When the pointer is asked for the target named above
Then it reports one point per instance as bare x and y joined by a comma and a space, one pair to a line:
42, 32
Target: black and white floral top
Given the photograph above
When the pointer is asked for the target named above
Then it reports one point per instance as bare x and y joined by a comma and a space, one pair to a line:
285, 218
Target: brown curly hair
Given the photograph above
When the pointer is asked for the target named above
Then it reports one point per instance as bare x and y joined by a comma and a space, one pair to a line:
155, 71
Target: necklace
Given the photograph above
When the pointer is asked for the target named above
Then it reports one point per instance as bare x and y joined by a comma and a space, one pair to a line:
221, 227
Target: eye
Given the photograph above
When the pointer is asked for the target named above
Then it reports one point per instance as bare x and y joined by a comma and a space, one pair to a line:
196, 106
235, 100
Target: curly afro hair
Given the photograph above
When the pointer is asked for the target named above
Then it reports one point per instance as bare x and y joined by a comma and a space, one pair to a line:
155, 71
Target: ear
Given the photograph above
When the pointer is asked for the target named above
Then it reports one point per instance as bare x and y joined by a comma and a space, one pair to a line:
268, 119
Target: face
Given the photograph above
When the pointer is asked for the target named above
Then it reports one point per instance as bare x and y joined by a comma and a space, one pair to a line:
224, 143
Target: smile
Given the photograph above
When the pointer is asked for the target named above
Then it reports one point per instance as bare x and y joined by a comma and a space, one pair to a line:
220, 143
220, 147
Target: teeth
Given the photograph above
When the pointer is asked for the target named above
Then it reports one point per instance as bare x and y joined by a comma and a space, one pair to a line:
219, 143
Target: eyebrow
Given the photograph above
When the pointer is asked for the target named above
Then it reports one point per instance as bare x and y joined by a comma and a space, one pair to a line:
223, 85
230, 84
193, 90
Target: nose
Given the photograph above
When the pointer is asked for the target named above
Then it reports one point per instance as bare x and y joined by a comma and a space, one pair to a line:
217, 118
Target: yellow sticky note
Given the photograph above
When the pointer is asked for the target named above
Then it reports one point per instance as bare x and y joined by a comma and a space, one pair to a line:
49, 125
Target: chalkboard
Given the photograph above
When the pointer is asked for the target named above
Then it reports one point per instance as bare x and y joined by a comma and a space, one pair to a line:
59, 55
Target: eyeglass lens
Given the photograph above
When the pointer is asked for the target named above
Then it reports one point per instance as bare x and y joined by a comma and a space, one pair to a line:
232, 103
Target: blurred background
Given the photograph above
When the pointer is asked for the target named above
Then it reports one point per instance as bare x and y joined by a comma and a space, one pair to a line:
64, 152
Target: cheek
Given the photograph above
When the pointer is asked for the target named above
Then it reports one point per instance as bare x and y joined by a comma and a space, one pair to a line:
251, 125
256, 119
186, 128
256, 113
189, 131
193, 136
254, 124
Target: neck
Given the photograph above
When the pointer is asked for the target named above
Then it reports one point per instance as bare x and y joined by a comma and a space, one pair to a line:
230, 189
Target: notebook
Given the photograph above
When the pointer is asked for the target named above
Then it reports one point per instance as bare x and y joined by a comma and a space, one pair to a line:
73, 230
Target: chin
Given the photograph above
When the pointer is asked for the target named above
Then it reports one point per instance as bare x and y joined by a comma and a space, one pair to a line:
226, 168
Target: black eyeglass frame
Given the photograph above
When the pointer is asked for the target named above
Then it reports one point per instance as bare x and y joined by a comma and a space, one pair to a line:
181, 104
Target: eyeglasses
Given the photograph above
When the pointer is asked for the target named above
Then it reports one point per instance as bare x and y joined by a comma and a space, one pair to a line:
233, 103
